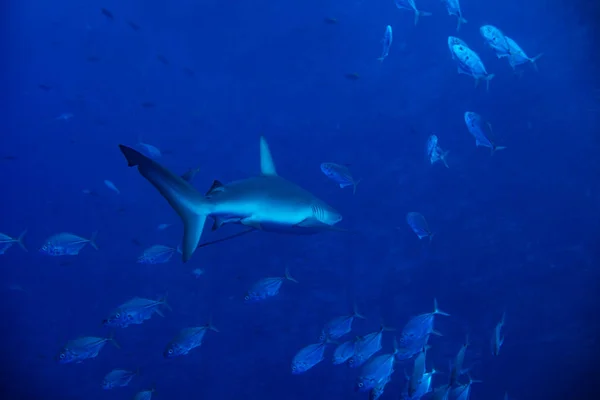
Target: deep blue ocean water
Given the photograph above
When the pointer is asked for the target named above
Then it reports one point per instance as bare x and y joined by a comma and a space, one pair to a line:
517, 231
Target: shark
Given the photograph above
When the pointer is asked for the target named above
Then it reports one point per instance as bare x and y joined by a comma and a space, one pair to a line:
266, 202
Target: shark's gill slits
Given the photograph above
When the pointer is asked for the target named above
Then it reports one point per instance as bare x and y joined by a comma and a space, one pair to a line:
318, 213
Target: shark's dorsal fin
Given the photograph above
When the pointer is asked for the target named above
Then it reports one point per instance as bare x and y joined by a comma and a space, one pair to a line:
267, 167
216, 187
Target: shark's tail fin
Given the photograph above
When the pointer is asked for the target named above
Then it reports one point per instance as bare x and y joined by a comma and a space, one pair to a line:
191, 206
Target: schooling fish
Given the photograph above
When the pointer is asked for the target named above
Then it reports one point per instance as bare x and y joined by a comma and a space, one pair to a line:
481, 131
344, 351
82, 349
340, 174
456, 371
308, 357
112, 186
410, 5
187, 339
267, 287
366, 347
470, 64
518, 56
6, 242
135, 312
496, 40
157, 254
387, 42
434, 151
340, 326
419, 327
118, 378
67, 244
418, 372
453, 7
419, 225
377, 369
497, 338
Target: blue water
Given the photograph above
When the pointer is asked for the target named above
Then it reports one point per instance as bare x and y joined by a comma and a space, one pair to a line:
517, 231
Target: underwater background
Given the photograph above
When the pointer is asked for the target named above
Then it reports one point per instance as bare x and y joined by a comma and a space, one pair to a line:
516, 232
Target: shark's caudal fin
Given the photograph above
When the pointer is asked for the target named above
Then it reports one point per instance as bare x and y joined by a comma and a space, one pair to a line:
267, 167
191, 206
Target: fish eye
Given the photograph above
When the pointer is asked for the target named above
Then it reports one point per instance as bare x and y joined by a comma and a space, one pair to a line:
361, 384
117, 315
129, 316
351, 361
247, 297
62, 355
170, 351
294, 368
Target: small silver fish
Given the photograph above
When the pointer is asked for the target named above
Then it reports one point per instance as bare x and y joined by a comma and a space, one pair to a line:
117, 378
267, 287
387, 42
378, 390
434, 151
418, 328
419, 225
198, 272
496, 40
67, 244
340, 174
340, 326
157, 254
150, 150
497, 337
463, 392
518, 56
6, 242
418, 373
469, 63
442, 392
144, 395
308, 357
188, 339
375, 370
83, 348
456, 371
410, 5
135, 312
112, 186
344, 351
453, 7
162, 227
366, 347
481, 131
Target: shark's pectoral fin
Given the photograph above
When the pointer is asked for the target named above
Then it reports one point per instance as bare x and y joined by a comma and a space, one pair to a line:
252, 223
267, 166
216, 186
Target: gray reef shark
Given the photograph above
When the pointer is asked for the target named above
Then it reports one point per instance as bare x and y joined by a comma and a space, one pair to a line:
266, 202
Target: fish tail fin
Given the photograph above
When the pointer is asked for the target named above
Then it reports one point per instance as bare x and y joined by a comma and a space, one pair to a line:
534, 59
488, 78
443, 157
384, 328
431, 235
461, 21
354, 185
111, 339
288, 276
20, 240
163, 301
419, 13
93, 240
497, 148
355, 312
381, 58
436, 309
209, 325
190, 205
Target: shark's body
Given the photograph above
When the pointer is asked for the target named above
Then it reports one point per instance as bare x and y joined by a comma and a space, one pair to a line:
266, 202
